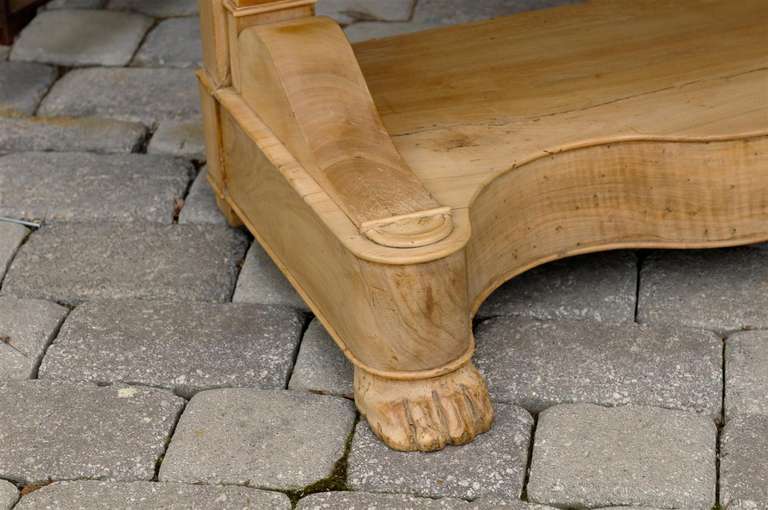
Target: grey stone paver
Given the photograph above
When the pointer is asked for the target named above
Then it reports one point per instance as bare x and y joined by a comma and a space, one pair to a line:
80, 186
8, 495
539, 364
174, 42
11, 237
27, 326
449, 12
722, 290
22, 86
370, 500
76, 4
262, 282
267, 439
376, 501
4, 52
96, 495
179, 138
75, 262
200, 204
81, 37
69, 134
163, 9
587, 456
56, 431
348, 11
746, 374
599, 286
744, 464
365, 30
320, 366
186, 347
493, 465
133, 94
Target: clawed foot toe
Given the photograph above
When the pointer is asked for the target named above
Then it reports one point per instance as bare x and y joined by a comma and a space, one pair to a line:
425, 414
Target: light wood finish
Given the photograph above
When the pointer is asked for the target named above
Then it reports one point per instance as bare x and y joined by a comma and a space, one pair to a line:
397, 193
546, 81
221, 22
290, 73
215, 41
375, 310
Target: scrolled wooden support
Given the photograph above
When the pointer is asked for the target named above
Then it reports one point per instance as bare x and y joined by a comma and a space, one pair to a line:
302, 79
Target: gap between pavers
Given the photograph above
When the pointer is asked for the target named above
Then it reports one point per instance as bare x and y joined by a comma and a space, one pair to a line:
12, 236
27, 327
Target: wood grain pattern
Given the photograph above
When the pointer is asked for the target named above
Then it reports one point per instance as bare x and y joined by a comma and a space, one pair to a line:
294, 70
373, 310
397, 194
635, 194
546, 81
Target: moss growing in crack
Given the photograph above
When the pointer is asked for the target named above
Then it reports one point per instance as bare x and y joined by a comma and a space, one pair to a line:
336, 481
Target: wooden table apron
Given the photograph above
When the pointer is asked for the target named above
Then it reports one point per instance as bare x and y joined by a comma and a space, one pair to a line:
398, 182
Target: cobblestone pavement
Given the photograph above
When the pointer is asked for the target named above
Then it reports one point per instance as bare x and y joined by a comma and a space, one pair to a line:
153, 357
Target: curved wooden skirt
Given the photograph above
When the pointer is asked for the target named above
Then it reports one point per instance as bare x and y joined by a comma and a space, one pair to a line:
629, 194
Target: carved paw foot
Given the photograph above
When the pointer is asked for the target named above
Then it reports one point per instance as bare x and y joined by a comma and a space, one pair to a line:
425, 414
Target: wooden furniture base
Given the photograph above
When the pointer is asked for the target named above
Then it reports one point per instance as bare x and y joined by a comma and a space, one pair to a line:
398, 182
